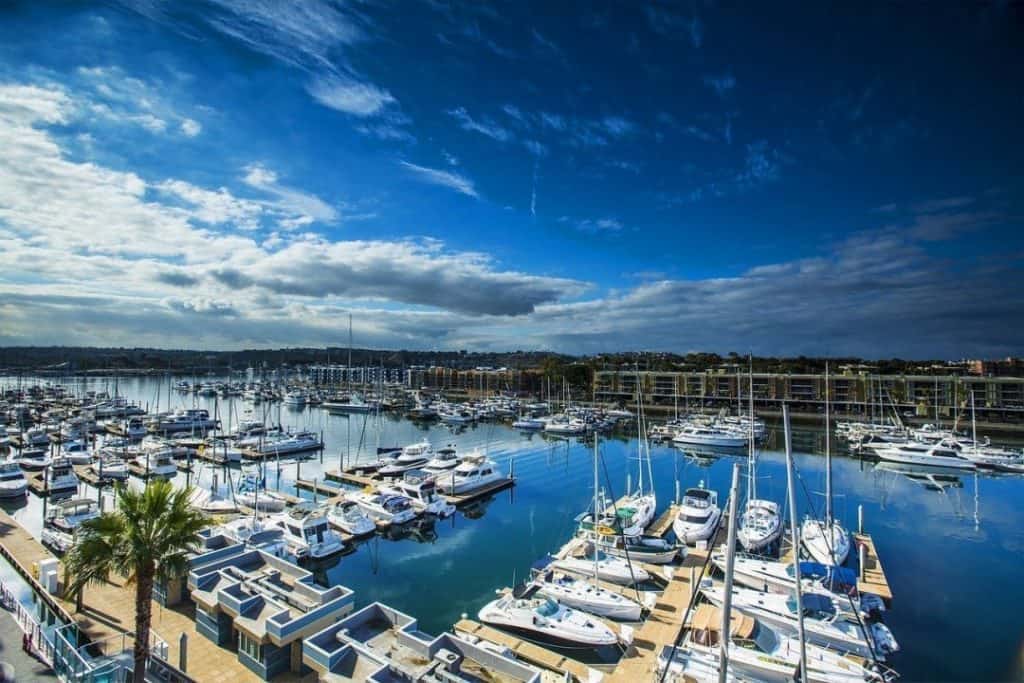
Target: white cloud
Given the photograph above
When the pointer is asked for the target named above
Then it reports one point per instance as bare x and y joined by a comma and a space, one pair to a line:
308, 207
450, 179
191, 128
350, 96
483, 126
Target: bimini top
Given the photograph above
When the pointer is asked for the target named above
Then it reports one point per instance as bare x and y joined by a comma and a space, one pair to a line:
830, 575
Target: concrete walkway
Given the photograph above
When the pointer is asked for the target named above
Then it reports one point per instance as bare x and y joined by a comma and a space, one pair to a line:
26, 667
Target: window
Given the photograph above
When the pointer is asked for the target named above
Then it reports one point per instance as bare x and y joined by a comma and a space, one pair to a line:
249, 646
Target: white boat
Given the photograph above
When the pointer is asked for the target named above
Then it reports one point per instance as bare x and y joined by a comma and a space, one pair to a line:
220, 452
252, 493
68, 515
547, 620
109, 467
347, 516
565, 426
472, 474
760, 525
33, 459
352, 406
157, 463
288, 444
444, 460
60, 542
698, 515
211, 502
826, 623
386, 509
307, 533
757, 652
582, 595
646, 549
295, 399
35, 436
933, 455
190, 420
409, 458
696, 435
827, 544
60, 476
607, 567
13, 483
528, 423
420, 488
76, 451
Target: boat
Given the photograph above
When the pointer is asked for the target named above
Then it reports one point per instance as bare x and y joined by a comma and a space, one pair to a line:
528, 423
583, 595
757, 652
295, 399
288, 444
60, 542
409, 458
252, 493
109, 467
157, 463
220, 452
565, 426
697, 435
13, 483
698, 516
190, 420
60, 476
645, 549
77, 451
760, 525
826, 622
33, 459
545, 619
444, 460
607, 567
307, 533
211, 502
472, 474
68, 515
825, 540
347, 516
420, 488
387, 509
938, 454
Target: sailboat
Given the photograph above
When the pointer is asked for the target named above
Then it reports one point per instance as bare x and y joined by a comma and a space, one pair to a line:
825, 540
761, 522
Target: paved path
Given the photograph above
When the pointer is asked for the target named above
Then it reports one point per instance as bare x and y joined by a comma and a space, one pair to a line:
26, 668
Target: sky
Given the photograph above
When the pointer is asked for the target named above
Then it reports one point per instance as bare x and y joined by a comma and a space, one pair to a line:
778, 178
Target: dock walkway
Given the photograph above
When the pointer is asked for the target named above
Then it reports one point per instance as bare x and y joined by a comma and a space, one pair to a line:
526, 651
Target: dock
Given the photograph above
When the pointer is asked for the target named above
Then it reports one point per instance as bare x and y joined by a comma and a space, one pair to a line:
526, 651
320, 488
363, 480
663, 524
108, 611
872, 577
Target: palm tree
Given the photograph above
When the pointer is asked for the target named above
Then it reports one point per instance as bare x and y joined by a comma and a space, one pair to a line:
148, 536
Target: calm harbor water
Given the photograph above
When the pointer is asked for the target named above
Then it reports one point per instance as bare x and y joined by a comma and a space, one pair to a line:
951, 546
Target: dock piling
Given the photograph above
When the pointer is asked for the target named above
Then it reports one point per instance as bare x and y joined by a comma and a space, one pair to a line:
860, 519
862, 557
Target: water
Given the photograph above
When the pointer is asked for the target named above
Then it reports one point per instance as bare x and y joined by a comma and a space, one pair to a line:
952, 559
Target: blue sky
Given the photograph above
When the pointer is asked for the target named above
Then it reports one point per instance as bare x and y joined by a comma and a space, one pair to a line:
785, 179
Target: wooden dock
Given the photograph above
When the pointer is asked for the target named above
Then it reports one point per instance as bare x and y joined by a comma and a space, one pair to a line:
109, 611
350, 477
663, 524
319, 488
526, 651
872, 577
665, 621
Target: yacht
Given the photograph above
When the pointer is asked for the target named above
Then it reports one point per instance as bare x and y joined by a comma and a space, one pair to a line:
77, 452
582, 595
211, 501
607, 567
698, 515
109, 467
33, 459
760, 525
757, 652
409, 458
696, 435
252, 493
68, 515
565, 426
295, 399
288, 444
354, 405
385, 509
541, 618
60, 476
648, 549
825, 543
35, 436
826, 623
157, 463
13, 483
420, 488
472, 474
529, 423
132, 428
347, 516
444, 460
307, 533
190, 420
936, 455
778, 577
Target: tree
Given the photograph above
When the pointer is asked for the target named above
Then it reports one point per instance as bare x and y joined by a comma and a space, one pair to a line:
147, 537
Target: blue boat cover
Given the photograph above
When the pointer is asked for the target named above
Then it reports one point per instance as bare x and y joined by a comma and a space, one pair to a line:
831, 575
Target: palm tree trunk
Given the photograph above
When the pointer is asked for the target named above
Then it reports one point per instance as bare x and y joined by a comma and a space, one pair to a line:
143, 616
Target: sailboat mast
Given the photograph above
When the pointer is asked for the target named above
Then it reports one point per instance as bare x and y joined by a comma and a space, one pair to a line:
751, 485
828, 457
597, 439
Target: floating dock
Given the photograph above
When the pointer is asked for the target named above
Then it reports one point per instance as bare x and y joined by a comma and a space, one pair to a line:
872, 577
663, 524
526, 651
363, 480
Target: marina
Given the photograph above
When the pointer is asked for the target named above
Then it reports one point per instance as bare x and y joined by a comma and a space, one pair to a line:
375, 569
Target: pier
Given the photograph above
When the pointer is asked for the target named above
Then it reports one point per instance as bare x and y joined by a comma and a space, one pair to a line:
871, 578
525, 650
363, 480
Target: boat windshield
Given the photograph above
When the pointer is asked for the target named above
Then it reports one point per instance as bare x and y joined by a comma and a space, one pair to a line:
762, 639
548, 609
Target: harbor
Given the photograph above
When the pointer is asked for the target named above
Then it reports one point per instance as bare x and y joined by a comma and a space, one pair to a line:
458, 556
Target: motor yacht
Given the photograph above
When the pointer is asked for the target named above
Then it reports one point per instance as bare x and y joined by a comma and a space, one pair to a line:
529, 423
189, 420
444, 460
288, 444
696, 435
580, 594
541, 618
33, 459
607, 567
349, 517
252, 493
60, 476
409, 458
420, 488
68, 515
109, 467
472, 474
13, 483
386, 509
157, 462
698, 515
307, 533
77, 451
937, 454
